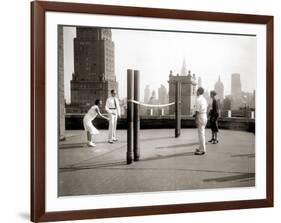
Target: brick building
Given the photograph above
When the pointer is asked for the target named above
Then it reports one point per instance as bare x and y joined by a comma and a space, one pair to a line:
94, 68
188, 92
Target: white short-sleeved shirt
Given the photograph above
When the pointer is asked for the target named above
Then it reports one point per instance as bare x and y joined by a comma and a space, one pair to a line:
201, 105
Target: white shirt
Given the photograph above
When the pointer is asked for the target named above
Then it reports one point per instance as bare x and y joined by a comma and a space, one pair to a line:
111, 104
201, 104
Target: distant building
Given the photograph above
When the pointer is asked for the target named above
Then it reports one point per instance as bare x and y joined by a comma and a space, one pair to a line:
188, 92
163, 98
163, 95
183, 69
248, 100
219, 88
123, 106
94, 68
207, 96
146, 94
199, 82
236, 92
235, 84
226, 105
253, 101
153, 101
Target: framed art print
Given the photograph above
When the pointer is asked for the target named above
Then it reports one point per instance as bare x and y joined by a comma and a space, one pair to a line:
142, 111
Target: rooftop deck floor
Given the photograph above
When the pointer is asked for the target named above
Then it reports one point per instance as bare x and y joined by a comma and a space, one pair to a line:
166, 163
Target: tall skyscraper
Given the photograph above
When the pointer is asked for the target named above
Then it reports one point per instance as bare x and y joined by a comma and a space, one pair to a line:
163, 98
235, 84
188, 93
146, 94
219, 88
183, 68
163, 95
94, 69
236, 92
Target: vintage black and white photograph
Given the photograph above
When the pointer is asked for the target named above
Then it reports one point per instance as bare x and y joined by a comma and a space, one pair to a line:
154, 110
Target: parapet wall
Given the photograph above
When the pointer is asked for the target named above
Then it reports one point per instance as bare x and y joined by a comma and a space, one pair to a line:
75, 122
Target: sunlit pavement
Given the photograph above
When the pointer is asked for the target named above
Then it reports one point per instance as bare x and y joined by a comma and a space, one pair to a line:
166, 163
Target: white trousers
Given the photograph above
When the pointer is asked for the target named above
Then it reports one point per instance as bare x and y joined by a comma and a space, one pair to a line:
201, 124
112, 126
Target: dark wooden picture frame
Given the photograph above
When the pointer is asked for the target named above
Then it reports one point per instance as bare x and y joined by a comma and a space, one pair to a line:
38, 114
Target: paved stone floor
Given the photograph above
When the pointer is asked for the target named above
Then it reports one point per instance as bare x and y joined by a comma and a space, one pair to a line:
166, 164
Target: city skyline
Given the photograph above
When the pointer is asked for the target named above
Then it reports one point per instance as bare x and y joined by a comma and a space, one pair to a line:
208, 56
218, 87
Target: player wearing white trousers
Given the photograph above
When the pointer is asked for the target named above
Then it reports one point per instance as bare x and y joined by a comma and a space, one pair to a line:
113, 109
201, 120
201, 124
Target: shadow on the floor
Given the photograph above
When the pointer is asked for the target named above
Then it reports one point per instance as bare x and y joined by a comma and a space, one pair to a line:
162, 157
96, 157
247, 180
72, 145
177, 146
93, 166
155, 138
250, 155
80, 166
242, 176
79, 145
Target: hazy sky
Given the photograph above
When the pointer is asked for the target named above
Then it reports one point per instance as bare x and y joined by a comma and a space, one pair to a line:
156, 53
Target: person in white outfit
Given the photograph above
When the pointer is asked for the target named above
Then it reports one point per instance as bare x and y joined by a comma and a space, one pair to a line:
201, 120
88, 122
113, 109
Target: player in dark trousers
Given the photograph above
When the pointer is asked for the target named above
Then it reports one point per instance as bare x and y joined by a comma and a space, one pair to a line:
214, 114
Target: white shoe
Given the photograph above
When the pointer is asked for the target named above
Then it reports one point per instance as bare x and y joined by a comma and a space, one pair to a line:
91, 144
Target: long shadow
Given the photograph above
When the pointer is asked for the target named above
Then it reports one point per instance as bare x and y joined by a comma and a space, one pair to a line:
231, 178
94, 166
250, 155
76, 145
160, 157
177, 146
76, 167
97, 156
79, 145
247, 180
72, 146
155, 138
